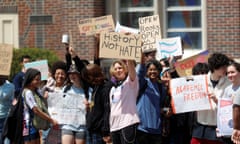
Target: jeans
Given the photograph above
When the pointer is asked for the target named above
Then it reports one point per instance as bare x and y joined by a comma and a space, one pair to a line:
93, 138
125, 135
6, 141
147, 138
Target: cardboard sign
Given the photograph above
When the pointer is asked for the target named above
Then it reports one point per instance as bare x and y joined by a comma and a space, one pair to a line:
190, 94
120, 46
150, 31
184, 66
169, 47
92, 26
125, 29
224, 117
6, 54
41, 65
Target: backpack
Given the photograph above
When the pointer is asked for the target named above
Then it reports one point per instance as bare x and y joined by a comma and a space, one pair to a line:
37, 121
13, 125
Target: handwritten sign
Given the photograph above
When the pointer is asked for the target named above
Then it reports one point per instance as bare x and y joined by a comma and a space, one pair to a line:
184, 66
224, 117
67, 108
41, 65
119, 45
6, 54
150, 31
125, 29
169, 47
189, 94
92, 26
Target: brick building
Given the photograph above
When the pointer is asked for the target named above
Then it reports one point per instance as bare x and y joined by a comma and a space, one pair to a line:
202, 24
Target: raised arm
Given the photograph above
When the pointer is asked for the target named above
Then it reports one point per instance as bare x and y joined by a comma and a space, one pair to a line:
131, 69
78, 62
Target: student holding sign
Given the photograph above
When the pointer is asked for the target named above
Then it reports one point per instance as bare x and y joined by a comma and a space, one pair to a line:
150, 103
123, 95
75, 132
205, 130
233, 91
31, 108
59, 74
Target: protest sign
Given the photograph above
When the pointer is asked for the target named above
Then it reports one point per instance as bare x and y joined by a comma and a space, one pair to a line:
224, 117
187, 92
67, 108
150, 31
6, 54
120, 46
41, 65
184, 66
92, 26
169, 47
125, 29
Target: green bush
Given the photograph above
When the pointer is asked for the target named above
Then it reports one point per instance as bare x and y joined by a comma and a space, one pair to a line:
35, 54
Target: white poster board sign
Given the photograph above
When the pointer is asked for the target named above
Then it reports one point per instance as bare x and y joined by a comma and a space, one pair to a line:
125, 29
67, 108
41, 65
169, 47
224, 117
189, 94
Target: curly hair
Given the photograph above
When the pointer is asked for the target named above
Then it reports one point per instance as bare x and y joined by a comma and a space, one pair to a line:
155, 63
217, 60
200, 68
59, 65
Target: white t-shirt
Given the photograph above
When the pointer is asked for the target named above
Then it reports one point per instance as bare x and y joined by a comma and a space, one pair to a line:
30, 103
234, 93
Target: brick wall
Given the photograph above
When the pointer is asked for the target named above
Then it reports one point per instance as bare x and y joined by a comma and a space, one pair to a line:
65, 15
223, 26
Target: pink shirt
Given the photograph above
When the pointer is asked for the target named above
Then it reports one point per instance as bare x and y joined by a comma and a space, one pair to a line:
123, 105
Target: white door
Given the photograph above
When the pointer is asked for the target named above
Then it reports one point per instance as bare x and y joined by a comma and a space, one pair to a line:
9, 29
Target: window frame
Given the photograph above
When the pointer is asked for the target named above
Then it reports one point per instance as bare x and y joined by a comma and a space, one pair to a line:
160, 7
202, 29
119, 10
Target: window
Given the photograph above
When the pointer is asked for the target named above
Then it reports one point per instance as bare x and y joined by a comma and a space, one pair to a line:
41, 19
185, 18
130, 10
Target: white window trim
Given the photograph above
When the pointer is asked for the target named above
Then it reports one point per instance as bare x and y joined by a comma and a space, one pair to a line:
203, 29
153, 9
13, 18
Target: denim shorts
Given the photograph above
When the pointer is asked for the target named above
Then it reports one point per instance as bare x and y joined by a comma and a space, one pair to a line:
76, 134
31, 137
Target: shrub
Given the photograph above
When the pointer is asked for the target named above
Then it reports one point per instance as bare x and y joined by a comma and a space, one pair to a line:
35, 54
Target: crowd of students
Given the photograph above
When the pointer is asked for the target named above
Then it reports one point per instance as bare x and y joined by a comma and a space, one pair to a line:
132, 106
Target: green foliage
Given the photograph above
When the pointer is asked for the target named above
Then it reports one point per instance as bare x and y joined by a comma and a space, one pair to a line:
35, 54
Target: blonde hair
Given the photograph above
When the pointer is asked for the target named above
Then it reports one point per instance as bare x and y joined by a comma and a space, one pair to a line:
121, 63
